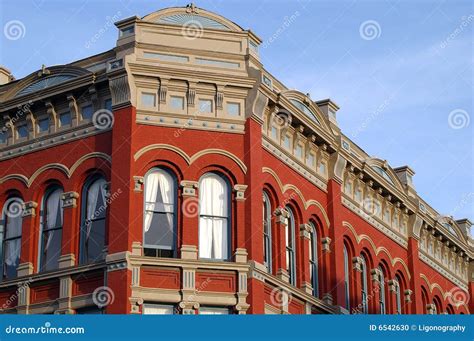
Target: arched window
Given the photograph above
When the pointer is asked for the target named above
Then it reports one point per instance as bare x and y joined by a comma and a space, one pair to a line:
383, 307
159, 223
450, 309
398, 296
346, 279
364, 290
437, 305
267, 232
11, 237
94, 210
424, 300
51, 229
214, 217
313, 259
290, 247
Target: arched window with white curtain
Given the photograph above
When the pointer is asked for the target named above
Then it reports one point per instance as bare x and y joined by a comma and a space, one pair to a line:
313, 259
267, 232
94, 220
214, 217
159, 222
382, 297
364, 289
51, 229
290, 246
10, 234
346, 279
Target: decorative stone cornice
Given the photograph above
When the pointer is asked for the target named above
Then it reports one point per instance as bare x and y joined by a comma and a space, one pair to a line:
281, 215
376, 275
29, 209
138, 184
240, 192
189, 188
70, 199
393, 285
305, 231
326, 244
357, 264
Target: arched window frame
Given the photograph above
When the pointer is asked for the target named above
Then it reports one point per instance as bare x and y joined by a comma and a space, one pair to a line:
267, 232
313, 259
364, 285
227, 216
49, 259
161, 250
290, 246
85, 221
382, 296
346, 278
13, 200
398, 296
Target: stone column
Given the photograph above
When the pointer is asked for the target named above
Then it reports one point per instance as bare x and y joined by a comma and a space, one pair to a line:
303, 266
240, 252
190, 221
280, 242
29, 240
71, 230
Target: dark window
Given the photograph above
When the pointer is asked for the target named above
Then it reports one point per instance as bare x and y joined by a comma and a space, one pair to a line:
11, 237
51, 229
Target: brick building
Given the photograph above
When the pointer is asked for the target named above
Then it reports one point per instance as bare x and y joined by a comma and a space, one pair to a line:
174, 174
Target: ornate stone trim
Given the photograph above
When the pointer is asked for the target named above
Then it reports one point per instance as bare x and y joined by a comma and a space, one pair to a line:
29, 209
305, 231
189, 188
138, 184
326, 244
357, 264
70, 199
240, 192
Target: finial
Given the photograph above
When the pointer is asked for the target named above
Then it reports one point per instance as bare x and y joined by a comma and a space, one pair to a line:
191, 8
44, 71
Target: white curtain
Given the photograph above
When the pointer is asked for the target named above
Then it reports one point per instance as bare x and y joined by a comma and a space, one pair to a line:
213, 220
52, 207
158, 182
13, 229
153, 309
96, 188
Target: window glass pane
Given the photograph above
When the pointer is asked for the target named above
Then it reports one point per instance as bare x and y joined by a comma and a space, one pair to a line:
177, 102
286, 142
43, 125
127, 30
93, 234
158, 309
11, 238
299, 151
159, 221
310, 160
22, 131
148, 99
213, 311
214, 218
108, 104
65, 119
233, 109
205, 105
51, 246
87, 112
3, 136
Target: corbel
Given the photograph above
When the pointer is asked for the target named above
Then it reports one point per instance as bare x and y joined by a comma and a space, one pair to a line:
74, 110
163, 91
220, 96
53, 116
31, 123
240, 192
357, 264
191, 94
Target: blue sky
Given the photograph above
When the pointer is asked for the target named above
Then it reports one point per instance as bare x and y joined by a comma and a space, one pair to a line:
401, 71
